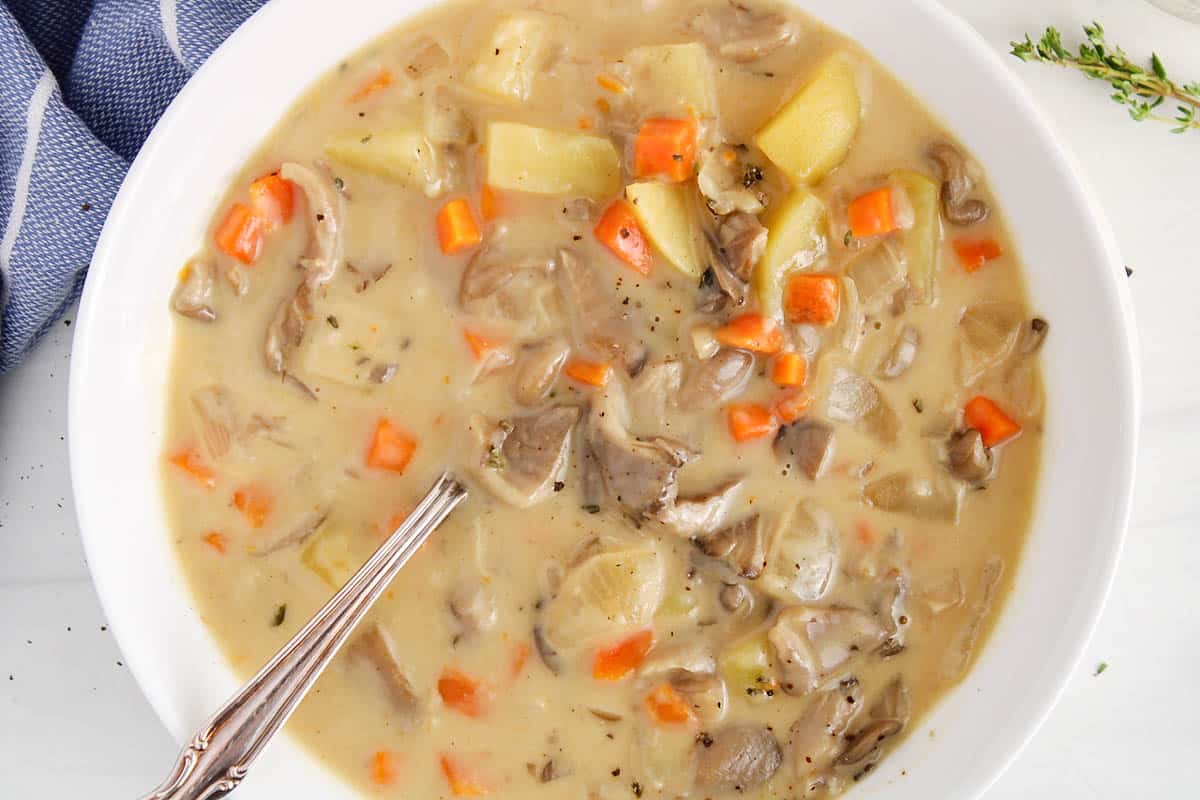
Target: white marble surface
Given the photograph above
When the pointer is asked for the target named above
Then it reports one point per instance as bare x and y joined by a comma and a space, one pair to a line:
73, 723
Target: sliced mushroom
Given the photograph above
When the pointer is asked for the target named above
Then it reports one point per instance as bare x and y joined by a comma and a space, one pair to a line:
473, 604
902, 355
705, 694
711, 382
521, 459
700, 514
216, 418
382, 373
815, 737
736, 599
957, 184
806, 446
193, 296
374, 648
813, 645
743, 240
653, 391
904, 493
854, 399
689, 666
968, 457
548, 654
742, 33
887, 717
743, 545
538, 368
596, 321
512, 288
639, 475
737, 758
324, 256
446, 123
286, 330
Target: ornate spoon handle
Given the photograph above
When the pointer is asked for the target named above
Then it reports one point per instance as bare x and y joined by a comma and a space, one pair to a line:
218, 756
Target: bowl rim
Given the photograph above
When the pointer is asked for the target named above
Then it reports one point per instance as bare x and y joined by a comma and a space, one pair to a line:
91, 485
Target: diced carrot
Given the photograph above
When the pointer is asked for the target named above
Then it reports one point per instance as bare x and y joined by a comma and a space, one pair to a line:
190, 462
462, 782
667, 706
385, 767
872, 214
864, 532
456, 228
989, 419
389, 527
592, 373
481, 345
812, 299
520, 658
610, 83
752, 332
584, 124
380, 81
791, 405
217, 541
789, 369
666, 147
619, 232
614, 663
748, 421
240, 234
391, 447
463, 693
603, 106
973, 254
255, 503
489, 203
273, 200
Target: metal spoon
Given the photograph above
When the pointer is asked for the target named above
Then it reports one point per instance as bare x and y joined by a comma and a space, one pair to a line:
217, 757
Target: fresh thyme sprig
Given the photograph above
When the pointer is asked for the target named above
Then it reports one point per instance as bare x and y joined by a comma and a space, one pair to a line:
1140, 90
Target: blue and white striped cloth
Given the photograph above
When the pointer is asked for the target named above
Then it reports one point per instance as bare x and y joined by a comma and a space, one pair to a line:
82, 82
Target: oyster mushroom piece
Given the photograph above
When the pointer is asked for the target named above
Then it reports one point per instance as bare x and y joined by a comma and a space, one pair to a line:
595, 319
855, 400
511, 288
538, 368
742, 545
193, 297
806, 446
729, 187
373, 648
298, 533
286, 330
905, 493
324, 255
742, 33
815, 738
691, 668
653, 391
711, 382
739, 758
639, 475
473, 604
967, 456
902, 355
700, 514
957, 185
813, 645
521, 459
887, 717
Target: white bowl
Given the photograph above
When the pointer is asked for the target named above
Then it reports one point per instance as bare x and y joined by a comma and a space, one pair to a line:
1075, 276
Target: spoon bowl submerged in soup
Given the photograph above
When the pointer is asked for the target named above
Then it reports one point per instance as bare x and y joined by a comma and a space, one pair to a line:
731, 341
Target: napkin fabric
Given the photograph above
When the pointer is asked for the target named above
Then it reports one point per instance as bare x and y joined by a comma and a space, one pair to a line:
82, 83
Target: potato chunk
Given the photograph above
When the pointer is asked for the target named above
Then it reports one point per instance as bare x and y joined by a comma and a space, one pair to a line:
812, 133
796, 237
401, 154
663, 215
523, 158
673, 79
513, 55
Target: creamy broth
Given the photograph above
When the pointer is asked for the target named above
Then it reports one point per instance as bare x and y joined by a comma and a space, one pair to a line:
676, 574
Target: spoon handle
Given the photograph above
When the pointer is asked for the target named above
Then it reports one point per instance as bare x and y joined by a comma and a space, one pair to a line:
217, 757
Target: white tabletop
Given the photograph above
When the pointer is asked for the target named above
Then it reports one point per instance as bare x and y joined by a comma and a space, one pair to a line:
73, 723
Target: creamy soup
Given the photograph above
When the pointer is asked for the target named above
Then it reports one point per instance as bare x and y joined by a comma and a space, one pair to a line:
724, 333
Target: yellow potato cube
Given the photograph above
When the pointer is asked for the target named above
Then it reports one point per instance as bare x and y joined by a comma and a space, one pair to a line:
522, 158
664, 215
797, 231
